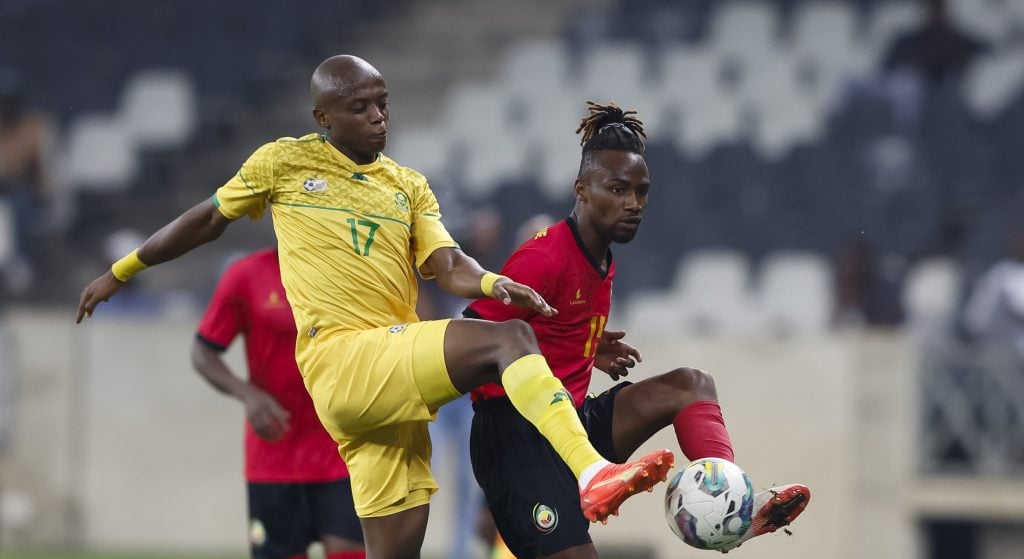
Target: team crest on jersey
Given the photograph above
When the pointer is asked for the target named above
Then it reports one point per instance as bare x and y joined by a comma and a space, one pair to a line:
545, 518
542, 233
257, 533
315, 185
402, 201
397, 328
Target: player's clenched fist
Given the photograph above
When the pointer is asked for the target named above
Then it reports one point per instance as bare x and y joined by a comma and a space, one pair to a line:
101, 289
510, 292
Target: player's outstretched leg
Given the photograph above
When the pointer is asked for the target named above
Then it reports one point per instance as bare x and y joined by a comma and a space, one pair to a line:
478, 352
776, 507
615, 483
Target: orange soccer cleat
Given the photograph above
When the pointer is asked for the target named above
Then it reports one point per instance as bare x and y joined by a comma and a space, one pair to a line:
775, 508
617, 482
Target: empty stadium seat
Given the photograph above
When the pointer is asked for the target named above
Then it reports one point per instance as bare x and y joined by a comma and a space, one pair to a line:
158, 108
988, 20
932, 291
710, 292
887, 20
743, 28
472, 111
794, 293
619, 73
785, 117
424, 148
543, 61
824, 38
101, 154
691, 86
994, 82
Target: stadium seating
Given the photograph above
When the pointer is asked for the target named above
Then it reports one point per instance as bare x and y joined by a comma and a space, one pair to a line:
158, 108
794, 294
101, 154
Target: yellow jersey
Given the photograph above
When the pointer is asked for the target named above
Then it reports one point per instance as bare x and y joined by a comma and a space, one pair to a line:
349, 236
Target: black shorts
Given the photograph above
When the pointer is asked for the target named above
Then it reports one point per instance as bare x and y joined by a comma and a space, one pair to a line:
285, 518
532, 493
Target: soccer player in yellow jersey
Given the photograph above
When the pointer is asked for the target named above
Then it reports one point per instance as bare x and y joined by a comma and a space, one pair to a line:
353, 227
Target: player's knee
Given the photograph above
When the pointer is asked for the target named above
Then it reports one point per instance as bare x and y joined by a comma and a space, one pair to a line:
518, 335
692, 384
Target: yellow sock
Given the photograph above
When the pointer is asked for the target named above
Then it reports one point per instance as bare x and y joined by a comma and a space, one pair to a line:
543, 401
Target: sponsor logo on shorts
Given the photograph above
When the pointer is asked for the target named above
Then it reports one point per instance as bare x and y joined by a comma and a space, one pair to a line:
397, 328
315, 185
560, 396
545, 518
257, 532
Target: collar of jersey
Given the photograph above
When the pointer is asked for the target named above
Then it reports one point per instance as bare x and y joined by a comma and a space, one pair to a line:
348, 163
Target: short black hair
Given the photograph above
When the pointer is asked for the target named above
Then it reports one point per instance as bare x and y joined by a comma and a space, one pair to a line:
608, 127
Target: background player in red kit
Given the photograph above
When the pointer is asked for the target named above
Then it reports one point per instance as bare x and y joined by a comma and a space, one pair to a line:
529, 490
299, 490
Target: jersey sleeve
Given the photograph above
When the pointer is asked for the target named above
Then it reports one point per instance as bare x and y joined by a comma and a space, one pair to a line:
528, 266
225, 315
428, 233
249, 191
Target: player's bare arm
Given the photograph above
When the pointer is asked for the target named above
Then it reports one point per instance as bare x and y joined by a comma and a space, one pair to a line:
199, 225
459, 274
265, 414
614, 356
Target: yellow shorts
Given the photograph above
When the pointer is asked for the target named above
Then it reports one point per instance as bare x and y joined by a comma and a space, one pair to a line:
375, 390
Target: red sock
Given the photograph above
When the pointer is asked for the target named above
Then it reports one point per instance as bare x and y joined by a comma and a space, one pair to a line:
347, 555
701, 431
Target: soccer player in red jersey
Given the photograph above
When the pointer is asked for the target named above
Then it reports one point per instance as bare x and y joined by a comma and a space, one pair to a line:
299, 491
529, 491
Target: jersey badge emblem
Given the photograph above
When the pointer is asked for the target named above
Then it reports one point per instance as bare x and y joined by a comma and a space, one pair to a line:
316, 186
545, 518
402, 201
397, 328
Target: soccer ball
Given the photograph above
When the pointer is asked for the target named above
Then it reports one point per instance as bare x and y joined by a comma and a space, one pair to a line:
710, 504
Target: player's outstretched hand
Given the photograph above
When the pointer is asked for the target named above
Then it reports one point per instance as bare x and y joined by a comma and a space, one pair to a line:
267, 417
101, 289
512, 293
614, 356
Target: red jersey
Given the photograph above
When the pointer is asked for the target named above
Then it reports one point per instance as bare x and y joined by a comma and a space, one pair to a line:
250, 300
558, 267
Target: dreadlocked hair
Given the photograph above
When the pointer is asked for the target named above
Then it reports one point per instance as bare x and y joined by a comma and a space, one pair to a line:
609, 127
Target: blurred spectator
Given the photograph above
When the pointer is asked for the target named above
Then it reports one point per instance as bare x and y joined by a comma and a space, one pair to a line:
25, 140
994, 312
867, 287
935, 51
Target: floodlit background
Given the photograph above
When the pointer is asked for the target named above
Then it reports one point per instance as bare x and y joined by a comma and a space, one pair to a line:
836, 232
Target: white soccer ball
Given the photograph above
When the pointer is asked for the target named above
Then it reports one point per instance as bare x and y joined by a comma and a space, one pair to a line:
710, 504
